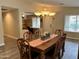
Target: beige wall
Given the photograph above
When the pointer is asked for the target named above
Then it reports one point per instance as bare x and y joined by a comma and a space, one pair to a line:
47, 24
58, 21
11, 24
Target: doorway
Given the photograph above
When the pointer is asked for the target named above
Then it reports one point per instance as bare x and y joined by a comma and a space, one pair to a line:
11, 31
10, 20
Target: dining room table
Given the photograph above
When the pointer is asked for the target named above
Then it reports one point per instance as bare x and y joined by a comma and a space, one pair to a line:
42, 46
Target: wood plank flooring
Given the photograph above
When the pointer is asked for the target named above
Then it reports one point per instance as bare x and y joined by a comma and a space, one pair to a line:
71, 49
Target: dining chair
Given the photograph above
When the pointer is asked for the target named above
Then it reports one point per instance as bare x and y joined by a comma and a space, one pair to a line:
62, 35
63, 38
59, 47
36, 33
57, 50
25, 49
59, 32
27, 35
54, 53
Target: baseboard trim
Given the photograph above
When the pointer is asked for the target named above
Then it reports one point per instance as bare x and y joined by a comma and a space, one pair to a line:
2, 44
10, 36
73, 38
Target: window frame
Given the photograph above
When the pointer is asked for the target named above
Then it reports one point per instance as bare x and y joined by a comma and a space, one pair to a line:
36, 22
77, 15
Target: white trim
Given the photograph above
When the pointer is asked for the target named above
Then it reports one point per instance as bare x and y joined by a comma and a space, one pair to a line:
73, 38
10, 36
2, 44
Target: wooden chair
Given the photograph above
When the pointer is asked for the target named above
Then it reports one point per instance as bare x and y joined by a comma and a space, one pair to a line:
55, 52
25, 50
59, 46
59, 32
63, 38
36, 33
27, 35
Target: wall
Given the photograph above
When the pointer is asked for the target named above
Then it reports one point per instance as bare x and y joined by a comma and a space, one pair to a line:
22, 6
11, 24
58, 21
72, 11
29, 6
47, 23
1, 30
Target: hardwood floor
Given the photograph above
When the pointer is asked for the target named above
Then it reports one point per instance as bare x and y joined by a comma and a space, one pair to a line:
10, 50
71, 49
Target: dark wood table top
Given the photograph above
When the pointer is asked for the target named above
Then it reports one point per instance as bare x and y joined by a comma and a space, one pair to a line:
42, 45
47, 44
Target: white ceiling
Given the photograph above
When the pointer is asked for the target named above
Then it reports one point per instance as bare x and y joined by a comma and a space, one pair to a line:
66, 3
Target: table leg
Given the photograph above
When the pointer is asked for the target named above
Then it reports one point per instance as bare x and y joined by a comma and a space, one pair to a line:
42, 56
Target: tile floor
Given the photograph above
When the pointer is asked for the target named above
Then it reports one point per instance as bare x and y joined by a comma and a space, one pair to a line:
10, 50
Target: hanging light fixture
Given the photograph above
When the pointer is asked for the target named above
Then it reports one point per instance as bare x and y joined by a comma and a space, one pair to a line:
52, 14
44, 13
37, 13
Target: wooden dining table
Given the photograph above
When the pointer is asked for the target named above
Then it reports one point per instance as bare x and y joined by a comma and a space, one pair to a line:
42, 46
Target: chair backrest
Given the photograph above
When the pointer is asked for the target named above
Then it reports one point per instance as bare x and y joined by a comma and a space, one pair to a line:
64, 36
57, 50
59, 32
59, 46
24, 48
37, 33
26, 35
62, 40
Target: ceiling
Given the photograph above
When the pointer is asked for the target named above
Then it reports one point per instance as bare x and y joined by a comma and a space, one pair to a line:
66, 3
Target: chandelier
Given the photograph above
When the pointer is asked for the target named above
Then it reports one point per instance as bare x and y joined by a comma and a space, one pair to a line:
44, 13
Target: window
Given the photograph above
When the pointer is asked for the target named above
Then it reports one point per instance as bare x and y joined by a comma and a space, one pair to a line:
71, 23
36, 22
